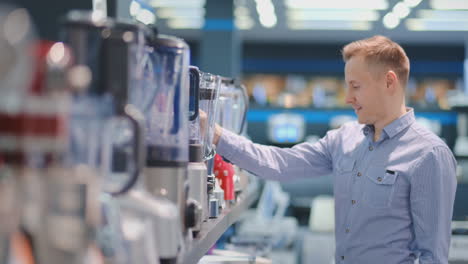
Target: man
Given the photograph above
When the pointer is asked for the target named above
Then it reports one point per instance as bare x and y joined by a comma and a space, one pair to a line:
394, 181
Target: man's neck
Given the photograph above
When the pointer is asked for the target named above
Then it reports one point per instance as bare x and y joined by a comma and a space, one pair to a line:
379, 126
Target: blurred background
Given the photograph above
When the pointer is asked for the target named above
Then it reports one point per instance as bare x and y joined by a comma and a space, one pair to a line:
288, 55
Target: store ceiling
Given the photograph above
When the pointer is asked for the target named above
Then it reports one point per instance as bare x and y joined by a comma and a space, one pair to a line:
330, 21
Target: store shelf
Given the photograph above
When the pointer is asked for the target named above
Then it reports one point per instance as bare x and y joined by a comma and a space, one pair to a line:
212, 229
461, 108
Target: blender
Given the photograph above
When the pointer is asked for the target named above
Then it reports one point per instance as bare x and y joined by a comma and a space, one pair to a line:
106, 134
118, 54
208, 101
149, 225
54, 206
233, 105
16, 73
122, 149
69, 194
167, 124
197, 171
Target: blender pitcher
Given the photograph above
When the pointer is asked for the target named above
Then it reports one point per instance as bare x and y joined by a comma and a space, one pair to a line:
233, 105
241, 107
106, 133
208, 102
231, 115
123, 153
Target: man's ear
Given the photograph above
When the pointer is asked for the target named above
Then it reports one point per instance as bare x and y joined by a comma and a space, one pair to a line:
391, 80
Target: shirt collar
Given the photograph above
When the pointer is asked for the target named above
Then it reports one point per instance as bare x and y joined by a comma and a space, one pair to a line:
394, 127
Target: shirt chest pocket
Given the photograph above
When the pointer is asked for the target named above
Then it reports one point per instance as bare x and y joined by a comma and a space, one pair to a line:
379, 186
343, 176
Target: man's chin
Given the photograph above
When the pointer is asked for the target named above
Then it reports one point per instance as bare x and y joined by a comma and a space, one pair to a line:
362, 121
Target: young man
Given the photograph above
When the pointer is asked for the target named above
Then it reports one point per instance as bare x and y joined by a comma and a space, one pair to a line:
394, 181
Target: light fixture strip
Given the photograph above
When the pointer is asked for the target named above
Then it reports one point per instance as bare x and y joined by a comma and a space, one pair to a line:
399, 12
266, 13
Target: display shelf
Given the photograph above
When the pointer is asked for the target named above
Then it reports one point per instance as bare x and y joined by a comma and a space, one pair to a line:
460, 108
212, 229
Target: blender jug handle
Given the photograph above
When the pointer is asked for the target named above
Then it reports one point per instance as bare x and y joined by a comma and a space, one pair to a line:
134, 117
246, 105
137, 153
194, 74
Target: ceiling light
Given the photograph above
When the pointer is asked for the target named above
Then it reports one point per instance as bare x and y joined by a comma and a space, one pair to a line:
174, 3
265, 7
16, 26
240, 2
444, 14
432, 25
266, 13
449, 4
241, 11
339, 4
412, 3
339, 14
391, 20
167, 12
244, 23
401, 10
185, 23
268, 20
134, 8
146, 17
329, 25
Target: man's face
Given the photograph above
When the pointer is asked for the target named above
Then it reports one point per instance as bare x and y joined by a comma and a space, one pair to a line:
365, 91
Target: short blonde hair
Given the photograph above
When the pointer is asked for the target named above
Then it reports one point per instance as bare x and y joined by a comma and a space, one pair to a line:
380, 50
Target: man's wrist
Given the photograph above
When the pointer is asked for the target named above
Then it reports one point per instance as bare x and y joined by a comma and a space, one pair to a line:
217, 134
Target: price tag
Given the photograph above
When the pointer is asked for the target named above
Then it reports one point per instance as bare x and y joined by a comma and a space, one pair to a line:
458, 248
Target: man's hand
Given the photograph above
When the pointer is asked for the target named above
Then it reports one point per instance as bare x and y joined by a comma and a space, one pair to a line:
217, 134
204, 122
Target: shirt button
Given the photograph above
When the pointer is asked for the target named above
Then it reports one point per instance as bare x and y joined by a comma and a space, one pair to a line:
353, 201
371, 148
347, 230
379, 179
359, 174
342, 257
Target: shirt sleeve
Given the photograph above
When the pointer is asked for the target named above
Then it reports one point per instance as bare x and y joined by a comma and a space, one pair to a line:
276, 163
432, 196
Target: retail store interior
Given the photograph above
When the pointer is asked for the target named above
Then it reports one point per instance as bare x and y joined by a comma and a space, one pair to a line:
108, 111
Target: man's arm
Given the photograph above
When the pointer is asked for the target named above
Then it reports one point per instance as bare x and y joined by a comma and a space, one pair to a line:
432, 195
272, 162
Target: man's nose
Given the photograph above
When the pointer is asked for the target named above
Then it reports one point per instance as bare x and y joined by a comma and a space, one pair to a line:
349, 98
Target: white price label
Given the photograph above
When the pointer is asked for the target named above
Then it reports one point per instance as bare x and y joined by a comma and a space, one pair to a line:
458, 248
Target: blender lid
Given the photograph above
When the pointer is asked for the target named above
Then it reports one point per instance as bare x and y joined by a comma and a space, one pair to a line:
228, 81
207, 94
86, 19
170, 42
135, 27
207, 89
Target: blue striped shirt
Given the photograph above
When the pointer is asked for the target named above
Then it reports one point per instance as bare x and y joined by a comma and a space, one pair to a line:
393, 197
